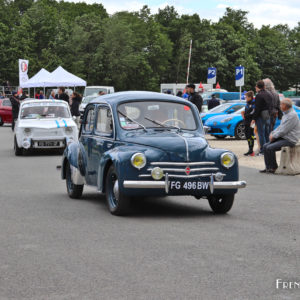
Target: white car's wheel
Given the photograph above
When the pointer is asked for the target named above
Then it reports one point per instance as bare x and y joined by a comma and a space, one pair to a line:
18, 150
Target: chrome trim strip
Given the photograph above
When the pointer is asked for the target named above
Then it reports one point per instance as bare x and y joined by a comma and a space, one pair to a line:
183, 170
230, 185
182, 163
183, 176
131, 184
190, 176
167, 183
186, 146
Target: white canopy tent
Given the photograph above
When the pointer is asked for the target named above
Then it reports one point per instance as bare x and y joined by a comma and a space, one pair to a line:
61, 77
38, 80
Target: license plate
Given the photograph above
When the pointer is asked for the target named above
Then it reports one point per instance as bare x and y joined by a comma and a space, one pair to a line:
189, 185
49, 144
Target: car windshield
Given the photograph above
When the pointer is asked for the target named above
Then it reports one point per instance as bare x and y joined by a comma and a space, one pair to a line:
219, 108
156, 114
94, 91
88, 99
42, 110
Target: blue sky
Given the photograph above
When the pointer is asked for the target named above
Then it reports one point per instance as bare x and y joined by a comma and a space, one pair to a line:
261, 12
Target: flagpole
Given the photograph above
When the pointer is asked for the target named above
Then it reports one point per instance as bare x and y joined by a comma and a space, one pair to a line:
189, 63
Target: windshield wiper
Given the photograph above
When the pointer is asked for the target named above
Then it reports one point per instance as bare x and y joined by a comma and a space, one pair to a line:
131, 120
162, 125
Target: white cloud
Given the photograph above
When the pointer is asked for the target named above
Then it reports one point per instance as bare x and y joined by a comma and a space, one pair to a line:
268, 12
261, 12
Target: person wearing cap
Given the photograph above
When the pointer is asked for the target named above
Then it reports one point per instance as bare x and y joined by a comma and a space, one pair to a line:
15, 106
194, 97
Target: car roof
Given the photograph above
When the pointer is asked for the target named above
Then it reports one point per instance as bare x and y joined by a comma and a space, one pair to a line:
43, 101
120, 97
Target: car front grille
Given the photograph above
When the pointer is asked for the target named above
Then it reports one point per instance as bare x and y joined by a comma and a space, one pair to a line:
215, 130
184, 169
56, 132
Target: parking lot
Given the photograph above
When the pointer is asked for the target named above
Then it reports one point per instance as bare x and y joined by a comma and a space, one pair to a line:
53, 247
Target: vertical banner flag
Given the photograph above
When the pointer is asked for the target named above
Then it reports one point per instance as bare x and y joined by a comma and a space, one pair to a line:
23, 69
239, 76
212, 75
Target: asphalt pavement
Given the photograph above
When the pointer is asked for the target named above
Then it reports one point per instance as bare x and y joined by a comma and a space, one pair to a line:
54, 247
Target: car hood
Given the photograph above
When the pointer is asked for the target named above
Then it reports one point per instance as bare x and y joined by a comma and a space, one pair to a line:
222, 117
180, 146
46, 123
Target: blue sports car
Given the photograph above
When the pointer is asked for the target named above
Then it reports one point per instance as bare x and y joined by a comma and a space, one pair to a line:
226, 108
232, 125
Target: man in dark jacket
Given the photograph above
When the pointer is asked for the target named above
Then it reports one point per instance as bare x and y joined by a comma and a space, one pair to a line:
15, 106
261, 116
194, 97
213, 102
62, 95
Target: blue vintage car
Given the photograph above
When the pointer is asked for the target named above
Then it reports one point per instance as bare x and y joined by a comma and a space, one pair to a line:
135, 144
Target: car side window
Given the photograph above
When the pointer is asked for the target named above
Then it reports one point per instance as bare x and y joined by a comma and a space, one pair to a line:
89, 120
6, 103
237, 107
104, 123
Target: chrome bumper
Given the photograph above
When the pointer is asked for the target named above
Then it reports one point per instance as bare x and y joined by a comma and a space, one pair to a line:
132, 184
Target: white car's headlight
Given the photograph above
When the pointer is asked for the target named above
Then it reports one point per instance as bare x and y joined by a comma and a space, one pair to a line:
227, 160
138, 160
226, 120
27, 131
68, 130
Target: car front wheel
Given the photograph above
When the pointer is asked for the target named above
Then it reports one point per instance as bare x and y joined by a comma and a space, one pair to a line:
18, 150
221, 204
117, 202
74, 190
239, 132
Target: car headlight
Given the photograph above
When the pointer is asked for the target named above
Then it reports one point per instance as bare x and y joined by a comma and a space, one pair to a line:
138, 160
227, 160
226, 120
68, 130
157, 173
27, 131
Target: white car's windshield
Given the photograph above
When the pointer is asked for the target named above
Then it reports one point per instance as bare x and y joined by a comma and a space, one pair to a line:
88, 99
156, 114
39, 111
94, 91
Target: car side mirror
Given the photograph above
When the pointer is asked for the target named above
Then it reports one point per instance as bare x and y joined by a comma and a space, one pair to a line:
206, 129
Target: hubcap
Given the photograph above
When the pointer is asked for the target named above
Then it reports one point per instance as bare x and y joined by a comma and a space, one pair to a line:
116, 190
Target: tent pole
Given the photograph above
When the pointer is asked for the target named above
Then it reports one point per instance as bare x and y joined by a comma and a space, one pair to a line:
34, 92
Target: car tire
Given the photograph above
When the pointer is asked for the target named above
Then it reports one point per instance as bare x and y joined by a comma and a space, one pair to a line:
239, 131
1, 122
117, 203
74, 190
220, 137
221, 204
18, 150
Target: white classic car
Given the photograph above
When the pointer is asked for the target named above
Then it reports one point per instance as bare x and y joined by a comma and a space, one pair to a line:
44, 124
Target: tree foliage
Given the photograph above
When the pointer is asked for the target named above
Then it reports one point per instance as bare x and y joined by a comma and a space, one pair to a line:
140, 50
